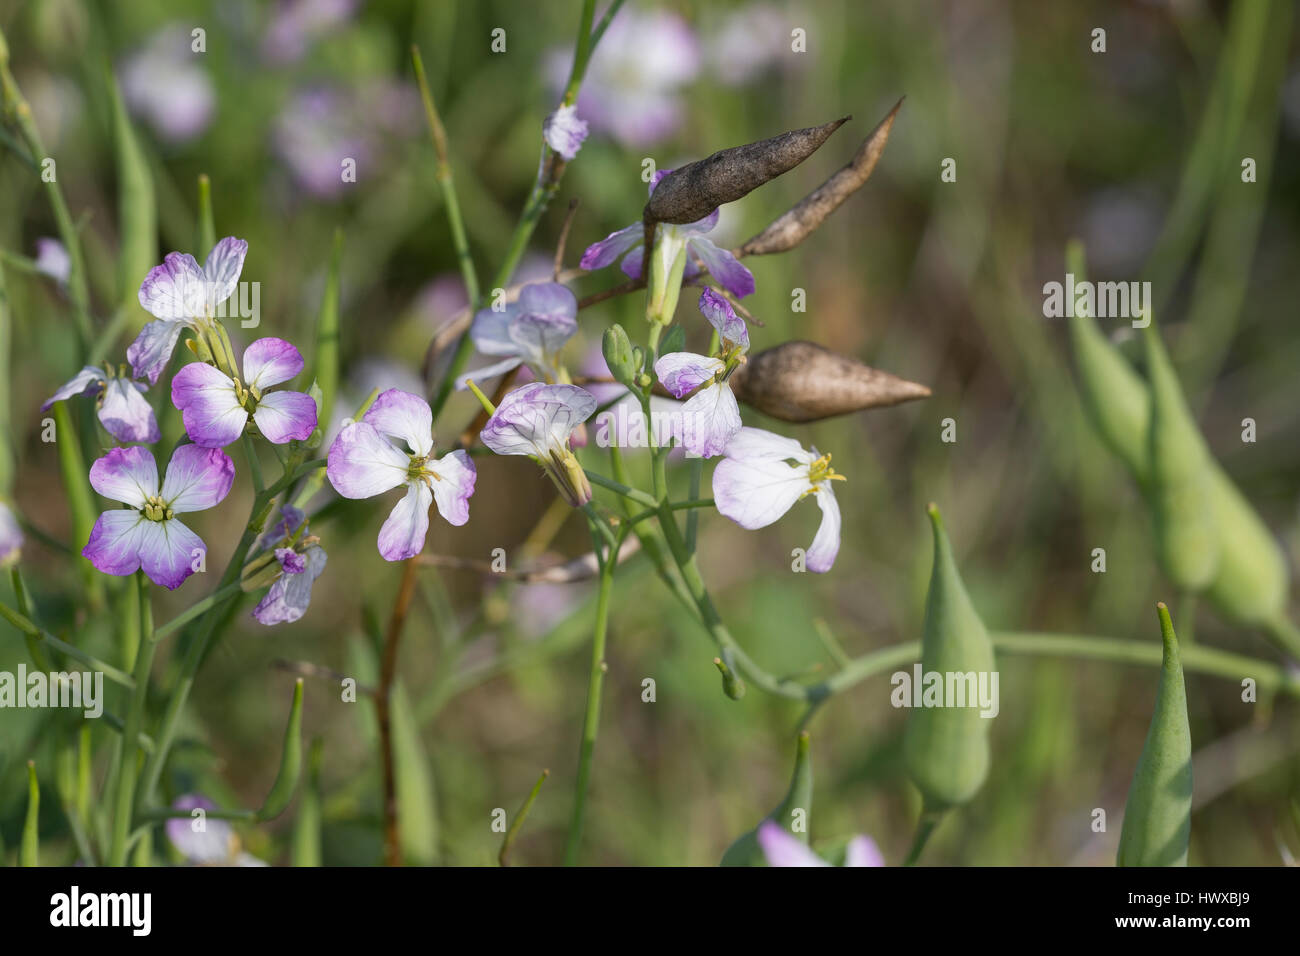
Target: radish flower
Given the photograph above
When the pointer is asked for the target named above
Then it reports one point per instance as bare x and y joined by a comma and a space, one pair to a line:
564, 132
180, 295
149, 534
782, 849
537, 420
291, 560
216, 408
710, 417
363, 462
762, 476
119, 402
531, 331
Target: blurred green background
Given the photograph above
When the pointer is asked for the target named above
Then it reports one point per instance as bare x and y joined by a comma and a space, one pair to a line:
1136, 151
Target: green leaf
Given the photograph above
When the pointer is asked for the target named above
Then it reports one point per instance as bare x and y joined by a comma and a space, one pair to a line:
305, 845
417, 806
325, 363
946, 749
1158, 815
137, 211
286, 781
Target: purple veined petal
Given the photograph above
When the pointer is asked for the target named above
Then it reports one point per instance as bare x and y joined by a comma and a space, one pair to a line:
726, 268
826, 543
88, 380
564, 132
605, 252
197, 478
755, 492
490, 332
862, 851
399, 414
402, 535
285, 416
751, 443
701, 226
270, 361
115, 541
782, 848
221, 271
175, 291
536, 418
209, 405
290, 519
126, 413
549, 300
11, 535
683, 372
363, 463
200, 839
454, 486
291, 562
290, 595
487, 372
708, 421
169, 550
128, 475
153, 347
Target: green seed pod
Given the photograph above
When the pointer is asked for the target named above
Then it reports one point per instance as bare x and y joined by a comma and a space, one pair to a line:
617, 348
1158, 815
305, 844
417, 805
286, 781
1251, 583
1114, 395
29, 848
691, 192
732, 684
1187, 534
746, 851
946, 749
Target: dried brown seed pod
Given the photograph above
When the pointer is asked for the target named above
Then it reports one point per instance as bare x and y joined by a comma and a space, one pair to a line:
803, 382
696, 189
795, 225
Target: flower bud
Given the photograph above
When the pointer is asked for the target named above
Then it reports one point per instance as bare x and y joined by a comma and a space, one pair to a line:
1187, 533
946, 748
569, 478
745, 851
803, 382
261, 572
1158, 814
617, 349
732, 685
1251, 584
691, 192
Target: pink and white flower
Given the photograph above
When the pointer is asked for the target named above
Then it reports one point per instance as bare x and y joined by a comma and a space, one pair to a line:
11, 536
363, 462
710, 417
564, 132
762, 476
120, 403
782, 848
530, 331
148, 534
216, 408
179, 295
537, 420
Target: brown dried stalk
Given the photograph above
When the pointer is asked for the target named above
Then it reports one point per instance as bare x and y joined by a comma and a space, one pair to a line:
582, 568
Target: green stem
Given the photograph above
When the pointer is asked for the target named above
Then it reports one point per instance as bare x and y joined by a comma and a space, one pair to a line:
28, 628
591, 722
254, 464
640, 497
925, 827
503, 858
127, 774
212, 600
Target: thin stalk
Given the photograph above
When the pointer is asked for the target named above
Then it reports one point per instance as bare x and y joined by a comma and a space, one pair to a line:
503, 858
30, 629
127, 773
383, 696
591, 720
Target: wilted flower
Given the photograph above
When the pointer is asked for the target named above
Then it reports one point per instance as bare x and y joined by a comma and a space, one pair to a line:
122, 407
782, 849
363, 462
148, 534
710, 417
632, 82
216, 407
202, 840
530, 331
11, 536
300, 559
676, 249
537, 420
180, 295
762, 476
564, 132
52, 260
165, 84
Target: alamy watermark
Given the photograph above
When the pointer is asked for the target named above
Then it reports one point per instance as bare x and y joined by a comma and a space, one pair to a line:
80, 690
946, 689
1101, 300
